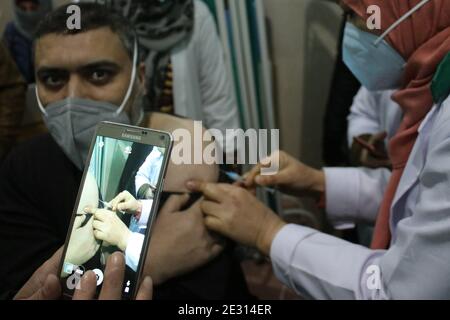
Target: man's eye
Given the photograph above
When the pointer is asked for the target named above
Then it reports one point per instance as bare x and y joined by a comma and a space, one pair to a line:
53, 81
100, 76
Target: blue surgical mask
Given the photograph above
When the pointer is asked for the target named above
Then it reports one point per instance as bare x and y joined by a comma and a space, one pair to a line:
371, 59
376, 66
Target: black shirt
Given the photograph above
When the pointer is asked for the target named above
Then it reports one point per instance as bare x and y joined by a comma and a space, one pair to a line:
38, 190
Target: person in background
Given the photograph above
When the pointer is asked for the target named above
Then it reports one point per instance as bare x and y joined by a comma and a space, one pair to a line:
186, 72
148, 174
12, 100
18, 38
19, 33
374, 119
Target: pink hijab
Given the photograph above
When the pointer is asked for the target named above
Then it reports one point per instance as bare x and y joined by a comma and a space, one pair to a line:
423, 40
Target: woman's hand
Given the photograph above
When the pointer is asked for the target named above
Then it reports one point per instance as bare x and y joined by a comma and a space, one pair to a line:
125, 202
109, 228
238, 214
293, 177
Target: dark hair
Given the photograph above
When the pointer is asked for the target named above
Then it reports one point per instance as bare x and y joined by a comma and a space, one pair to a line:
93, 16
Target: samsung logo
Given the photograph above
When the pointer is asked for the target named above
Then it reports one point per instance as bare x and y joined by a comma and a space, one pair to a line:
132, 137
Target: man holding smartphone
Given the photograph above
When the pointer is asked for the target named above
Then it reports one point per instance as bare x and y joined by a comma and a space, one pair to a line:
81, 76
44, 284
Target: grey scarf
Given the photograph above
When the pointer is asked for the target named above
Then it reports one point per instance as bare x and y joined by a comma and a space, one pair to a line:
26, 22
161, 25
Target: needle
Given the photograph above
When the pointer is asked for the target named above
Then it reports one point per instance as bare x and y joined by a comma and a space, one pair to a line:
109, 207
238, 178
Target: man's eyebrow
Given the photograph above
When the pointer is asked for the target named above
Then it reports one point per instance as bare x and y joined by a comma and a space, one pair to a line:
100, 64
93, 65
50, 70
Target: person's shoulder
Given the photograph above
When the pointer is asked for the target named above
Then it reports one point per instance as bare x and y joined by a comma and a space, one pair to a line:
35, 150
10, 27
179, 174
446, 103
201, 9
39, 141
202, 13
167, 122
439, 118
444, 114
11, 32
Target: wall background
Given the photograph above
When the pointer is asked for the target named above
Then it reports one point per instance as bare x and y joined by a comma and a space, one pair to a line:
304, 36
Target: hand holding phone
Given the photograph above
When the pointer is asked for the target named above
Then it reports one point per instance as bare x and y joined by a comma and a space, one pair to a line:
109, 216
44, 284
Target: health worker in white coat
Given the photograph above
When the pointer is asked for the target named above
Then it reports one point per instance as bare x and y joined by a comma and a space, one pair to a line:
409, 257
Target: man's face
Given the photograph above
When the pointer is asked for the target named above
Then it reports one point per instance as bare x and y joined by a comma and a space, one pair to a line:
28, 5
91, 65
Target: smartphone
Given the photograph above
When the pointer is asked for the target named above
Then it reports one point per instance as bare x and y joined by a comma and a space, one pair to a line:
125, 165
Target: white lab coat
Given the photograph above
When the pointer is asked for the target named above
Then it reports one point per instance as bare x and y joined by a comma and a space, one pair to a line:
373, 112
136, 239
149, 172
417, 264
202, 85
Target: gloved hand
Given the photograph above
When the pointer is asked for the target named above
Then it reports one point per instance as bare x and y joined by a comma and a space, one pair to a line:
125, 202
109, 228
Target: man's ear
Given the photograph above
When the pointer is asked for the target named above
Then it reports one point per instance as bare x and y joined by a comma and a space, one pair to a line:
141, 75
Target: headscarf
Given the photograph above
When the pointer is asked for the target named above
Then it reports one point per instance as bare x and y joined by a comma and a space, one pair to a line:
160, 25
26, 22
423, 40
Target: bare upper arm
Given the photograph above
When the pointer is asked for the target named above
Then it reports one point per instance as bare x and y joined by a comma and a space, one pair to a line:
89, 196
178, 175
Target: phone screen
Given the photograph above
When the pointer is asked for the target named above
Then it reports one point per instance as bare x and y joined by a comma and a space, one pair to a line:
114, 211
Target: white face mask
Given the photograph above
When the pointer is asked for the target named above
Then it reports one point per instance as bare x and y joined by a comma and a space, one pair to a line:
72, 122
